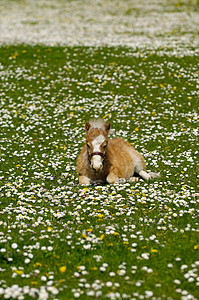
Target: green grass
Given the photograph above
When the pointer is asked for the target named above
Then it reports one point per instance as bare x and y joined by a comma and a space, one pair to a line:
147, 229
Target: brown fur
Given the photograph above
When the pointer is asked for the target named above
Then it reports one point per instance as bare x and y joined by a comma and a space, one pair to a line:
121, 160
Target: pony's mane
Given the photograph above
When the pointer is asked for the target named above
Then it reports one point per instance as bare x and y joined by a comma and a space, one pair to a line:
97, 123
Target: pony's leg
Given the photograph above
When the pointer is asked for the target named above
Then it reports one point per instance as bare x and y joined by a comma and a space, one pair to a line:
148, 176
112, 176
84, 180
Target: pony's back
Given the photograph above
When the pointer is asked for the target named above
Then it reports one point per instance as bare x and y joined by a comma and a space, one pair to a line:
124, 158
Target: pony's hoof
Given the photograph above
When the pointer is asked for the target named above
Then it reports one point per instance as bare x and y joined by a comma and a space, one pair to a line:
121, 180
84, 180
112, 179
133, 179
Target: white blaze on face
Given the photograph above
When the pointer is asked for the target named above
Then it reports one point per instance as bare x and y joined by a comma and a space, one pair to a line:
97, 159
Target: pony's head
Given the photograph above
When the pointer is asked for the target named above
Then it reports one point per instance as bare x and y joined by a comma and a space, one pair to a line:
97, 141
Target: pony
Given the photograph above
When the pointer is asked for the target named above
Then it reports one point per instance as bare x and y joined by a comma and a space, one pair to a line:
108, 160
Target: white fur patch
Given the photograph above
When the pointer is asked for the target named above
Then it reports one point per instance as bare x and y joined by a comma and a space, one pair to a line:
97, 159
97, 143
144, 175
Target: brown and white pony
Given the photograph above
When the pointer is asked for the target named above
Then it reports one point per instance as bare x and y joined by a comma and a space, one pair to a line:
104, 160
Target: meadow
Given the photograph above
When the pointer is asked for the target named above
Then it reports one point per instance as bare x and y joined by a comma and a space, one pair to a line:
61, 240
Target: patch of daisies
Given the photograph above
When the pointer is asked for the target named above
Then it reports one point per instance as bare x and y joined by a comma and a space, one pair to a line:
45, 214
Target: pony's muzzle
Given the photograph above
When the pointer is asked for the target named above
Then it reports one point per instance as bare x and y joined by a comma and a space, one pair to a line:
96, 163
96, 160
97, 169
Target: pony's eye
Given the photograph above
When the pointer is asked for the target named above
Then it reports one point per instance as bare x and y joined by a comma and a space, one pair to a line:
105, 146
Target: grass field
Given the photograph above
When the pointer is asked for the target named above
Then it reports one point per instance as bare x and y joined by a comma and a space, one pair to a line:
60, 240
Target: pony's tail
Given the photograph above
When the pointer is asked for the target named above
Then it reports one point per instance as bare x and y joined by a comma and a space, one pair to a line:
154, 175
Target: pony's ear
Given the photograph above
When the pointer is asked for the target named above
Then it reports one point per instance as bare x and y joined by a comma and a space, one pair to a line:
87, 126
107, 127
